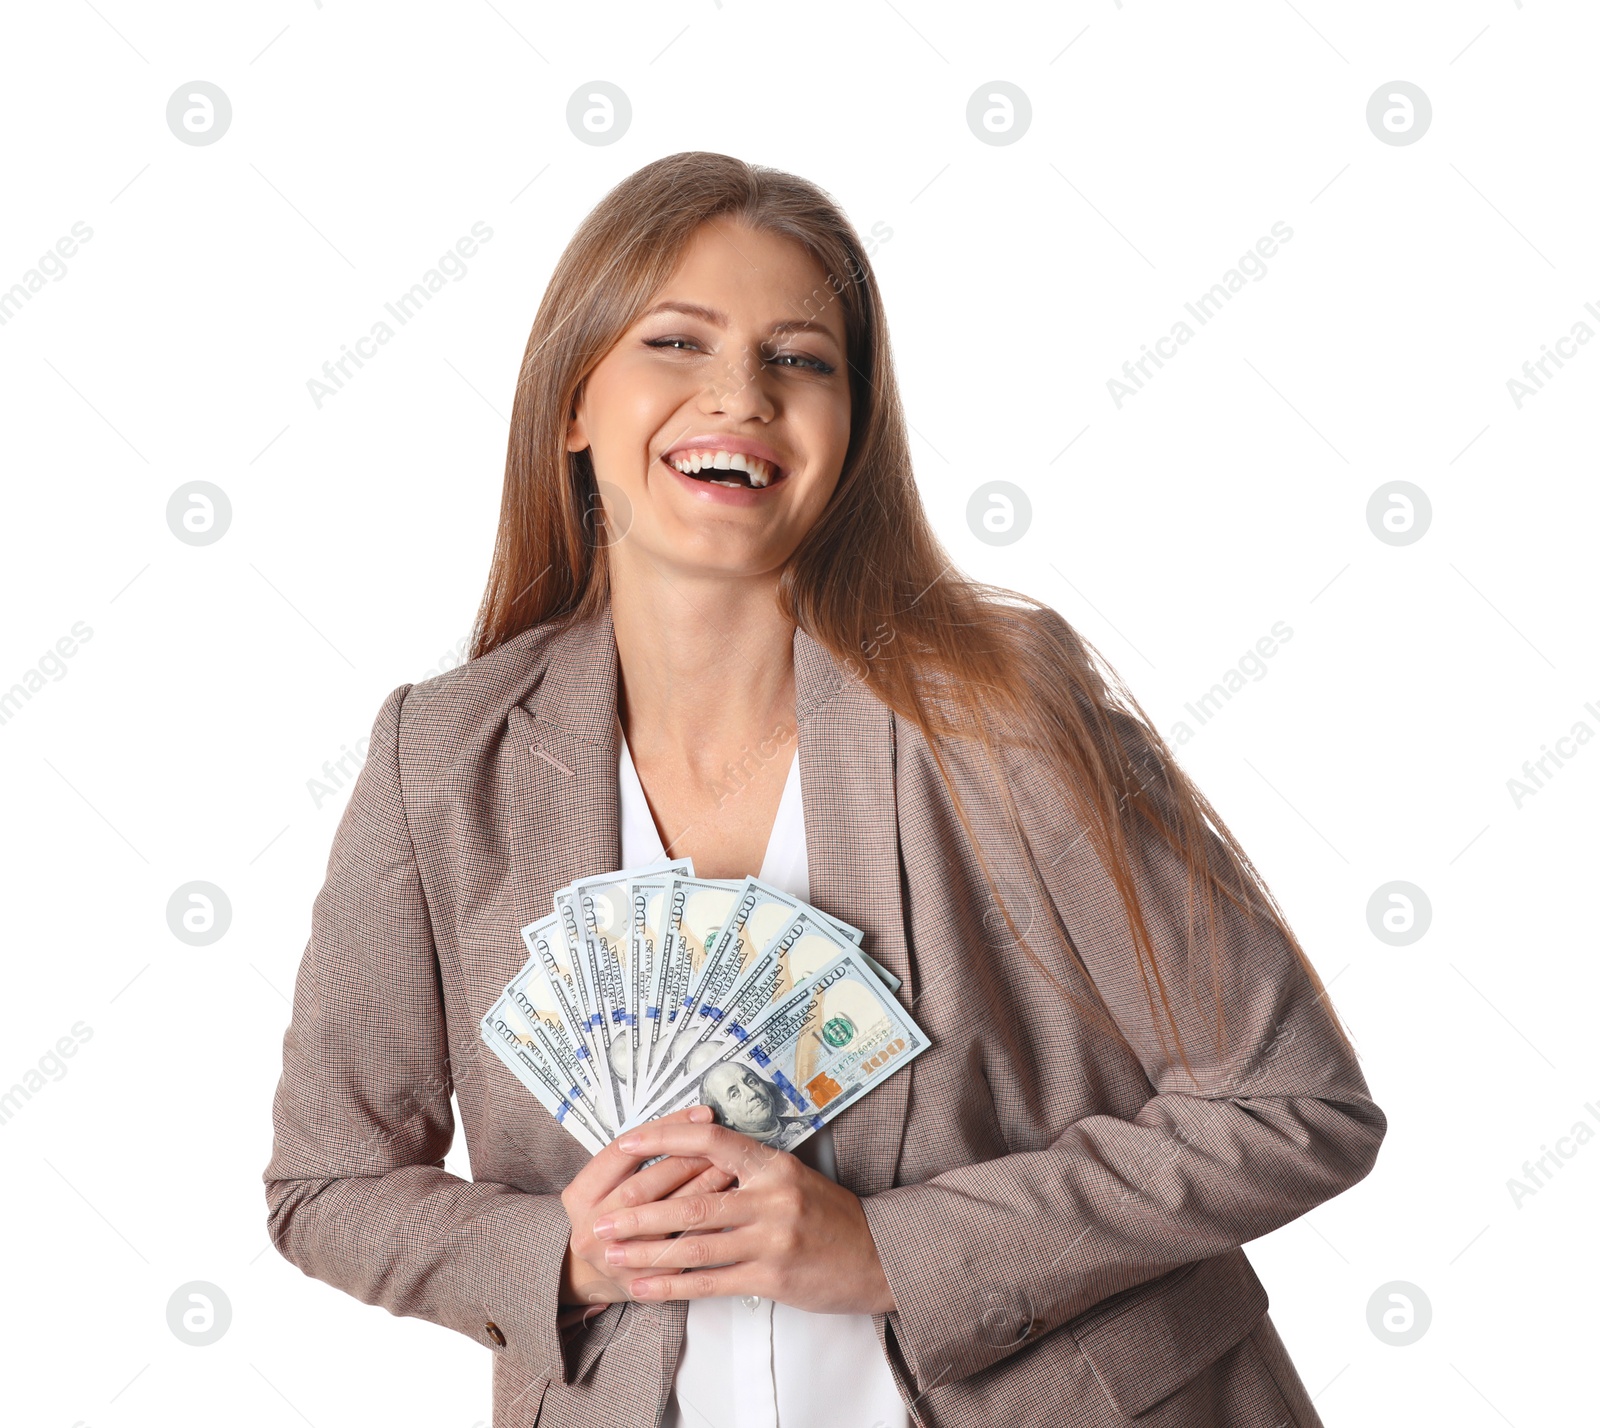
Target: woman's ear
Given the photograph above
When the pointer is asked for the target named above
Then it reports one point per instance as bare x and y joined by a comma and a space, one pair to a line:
577, 436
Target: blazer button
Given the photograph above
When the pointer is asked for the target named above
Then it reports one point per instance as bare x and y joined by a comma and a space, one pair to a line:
493, 1331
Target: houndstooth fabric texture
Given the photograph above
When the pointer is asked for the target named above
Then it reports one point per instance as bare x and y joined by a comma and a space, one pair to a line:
1060, 1219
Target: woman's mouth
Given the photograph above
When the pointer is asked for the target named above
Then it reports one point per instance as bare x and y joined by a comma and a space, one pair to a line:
726, 468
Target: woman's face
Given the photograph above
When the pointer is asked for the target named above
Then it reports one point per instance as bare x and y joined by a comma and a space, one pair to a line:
742, 351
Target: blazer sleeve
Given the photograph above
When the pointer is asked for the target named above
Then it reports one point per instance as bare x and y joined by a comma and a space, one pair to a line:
985, 1258
356, 1189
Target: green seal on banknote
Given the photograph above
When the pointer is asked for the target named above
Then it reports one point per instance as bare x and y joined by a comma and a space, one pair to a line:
839, 1031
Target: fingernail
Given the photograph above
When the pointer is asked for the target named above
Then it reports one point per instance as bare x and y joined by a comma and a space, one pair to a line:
602, 1228
640, 1288
615, 1254
628, 1143
700, 1113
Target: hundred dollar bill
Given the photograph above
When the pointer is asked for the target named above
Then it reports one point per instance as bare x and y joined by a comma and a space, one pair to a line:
800, 949
593, 1019
543, 995
567, 943
853, 934
550, 953
818, 1050
554, 1049
704, 911
885, 976
697, 910
551, 1055
523, 1055
760, 913
756, 915
604, 922
647, 910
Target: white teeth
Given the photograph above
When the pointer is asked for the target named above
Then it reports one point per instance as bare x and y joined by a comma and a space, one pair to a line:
693, 462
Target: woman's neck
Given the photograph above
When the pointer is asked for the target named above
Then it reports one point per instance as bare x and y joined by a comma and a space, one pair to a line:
703, 666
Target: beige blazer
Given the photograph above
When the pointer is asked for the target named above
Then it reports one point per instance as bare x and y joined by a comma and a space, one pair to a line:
1059, 1220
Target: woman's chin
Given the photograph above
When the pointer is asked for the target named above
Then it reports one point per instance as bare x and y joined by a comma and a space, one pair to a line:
699, 554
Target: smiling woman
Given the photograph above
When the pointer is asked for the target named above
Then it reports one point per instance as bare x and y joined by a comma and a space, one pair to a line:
721, 424
711, 538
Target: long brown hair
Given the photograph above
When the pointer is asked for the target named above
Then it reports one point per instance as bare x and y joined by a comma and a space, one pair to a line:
870, 582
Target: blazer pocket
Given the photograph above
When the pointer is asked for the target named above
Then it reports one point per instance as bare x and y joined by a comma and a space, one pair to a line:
1161, 1335
594, 1337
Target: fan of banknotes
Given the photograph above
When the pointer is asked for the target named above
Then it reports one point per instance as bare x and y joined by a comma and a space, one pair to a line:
649, 989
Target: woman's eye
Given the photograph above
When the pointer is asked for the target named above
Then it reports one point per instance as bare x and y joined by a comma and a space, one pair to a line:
814, 363
792, 360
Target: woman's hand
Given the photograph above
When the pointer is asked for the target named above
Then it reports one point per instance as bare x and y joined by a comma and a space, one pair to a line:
608, 1185
788, 1232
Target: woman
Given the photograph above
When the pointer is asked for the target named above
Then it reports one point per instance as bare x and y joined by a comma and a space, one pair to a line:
765, 662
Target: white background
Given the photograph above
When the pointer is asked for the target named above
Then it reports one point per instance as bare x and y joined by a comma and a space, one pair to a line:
1229, 494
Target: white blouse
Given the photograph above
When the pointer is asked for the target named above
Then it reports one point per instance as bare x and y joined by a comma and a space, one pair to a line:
752, 1363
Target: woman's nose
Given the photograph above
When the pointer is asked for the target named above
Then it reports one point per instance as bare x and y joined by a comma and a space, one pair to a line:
739, 386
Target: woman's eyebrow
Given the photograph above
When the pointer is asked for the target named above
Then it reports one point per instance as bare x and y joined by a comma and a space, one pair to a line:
720, 319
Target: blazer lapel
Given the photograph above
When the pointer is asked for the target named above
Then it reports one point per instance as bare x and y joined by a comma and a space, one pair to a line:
562, 825
564, 752
847, 783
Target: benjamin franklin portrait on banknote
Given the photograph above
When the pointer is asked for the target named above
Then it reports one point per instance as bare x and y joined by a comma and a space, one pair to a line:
746, 1101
